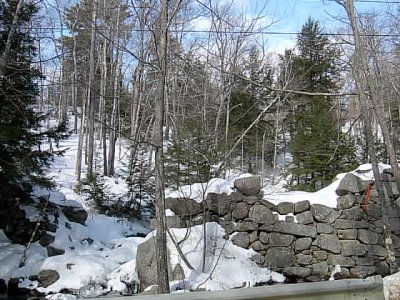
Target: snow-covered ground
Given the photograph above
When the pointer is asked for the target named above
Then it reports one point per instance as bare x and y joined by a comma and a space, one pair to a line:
100, 256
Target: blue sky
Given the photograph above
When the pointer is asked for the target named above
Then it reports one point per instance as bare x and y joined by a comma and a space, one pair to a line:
290, 15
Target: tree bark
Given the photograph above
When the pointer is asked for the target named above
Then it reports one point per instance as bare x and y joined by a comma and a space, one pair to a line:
7, 48
363, 85
113, 123
102, 109
161, 237
91, 89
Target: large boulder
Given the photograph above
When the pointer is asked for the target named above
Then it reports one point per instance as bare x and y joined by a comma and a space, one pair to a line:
146, 263
183, 206
391, 287
48, 277
351, 184
74, 214
249, 186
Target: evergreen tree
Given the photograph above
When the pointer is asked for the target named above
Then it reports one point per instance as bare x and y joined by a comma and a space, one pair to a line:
21, 156
317, 144
248, 97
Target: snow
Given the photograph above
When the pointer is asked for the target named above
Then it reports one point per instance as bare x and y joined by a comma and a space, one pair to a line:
221, 258
100, 256
199, 191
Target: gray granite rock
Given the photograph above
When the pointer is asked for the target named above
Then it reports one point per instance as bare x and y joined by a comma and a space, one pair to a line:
324, 228
305, 217
246, 226
285, 208
183, 206
362, 271
291, 228
368, 237
257, 246
302, 244
352, 248
304, 259
280, 240
350, 183
279, 257
297, 272
261, 214
48, 277
250, 200
328, 242
264, 237
347, 201
241, 211
341, 260
249, 186
324, 214
377, 250
350, 224
354, 214
320, 268
241, 239
301, 206
347, 234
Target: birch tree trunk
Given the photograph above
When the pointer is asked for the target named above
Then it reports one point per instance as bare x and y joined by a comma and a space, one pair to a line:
91, 89
62, 105
75, 86
102, 109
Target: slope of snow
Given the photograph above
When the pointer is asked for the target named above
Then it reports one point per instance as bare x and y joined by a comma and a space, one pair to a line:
100, 257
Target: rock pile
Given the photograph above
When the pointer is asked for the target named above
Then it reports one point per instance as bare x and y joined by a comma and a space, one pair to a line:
305, 242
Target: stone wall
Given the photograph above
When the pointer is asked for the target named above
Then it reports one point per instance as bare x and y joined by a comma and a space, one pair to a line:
304, 242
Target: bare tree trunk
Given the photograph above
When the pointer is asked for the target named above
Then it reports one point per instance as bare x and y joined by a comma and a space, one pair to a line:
7, 48
75, 86
161, 237
135, 112
62, 105
363, 85
113, 123
91, 89
78, 169
102, 109
276, 137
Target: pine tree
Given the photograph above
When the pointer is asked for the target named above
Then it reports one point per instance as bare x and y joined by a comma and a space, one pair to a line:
21, 157
248, 97
318, 147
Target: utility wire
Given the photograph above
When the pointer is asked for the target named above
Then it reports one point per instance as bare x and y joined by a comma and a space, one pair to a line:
253, 32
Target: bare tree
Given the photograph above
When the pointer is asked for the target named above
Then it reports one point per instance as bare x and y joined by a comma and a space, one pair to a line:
7, 48
161, 236
367, 97
91, 90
